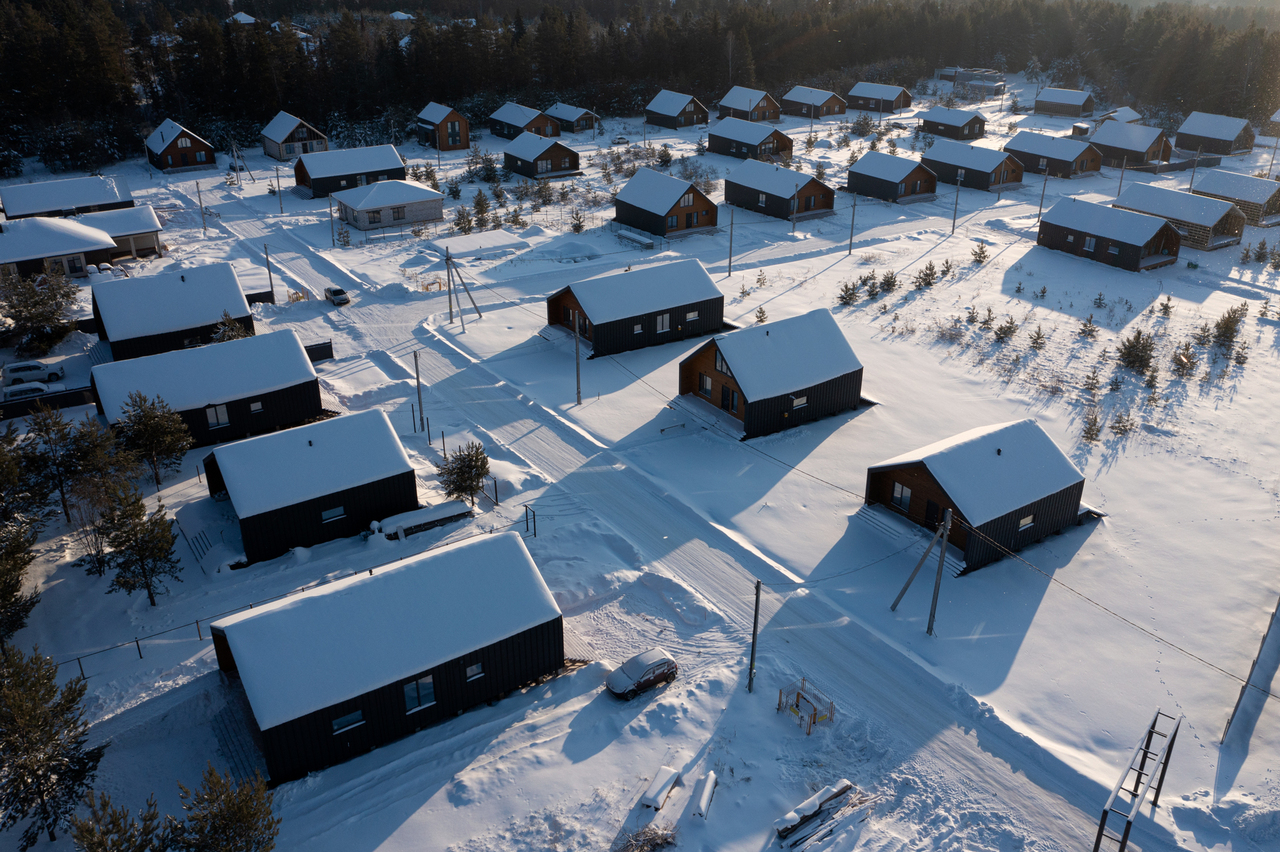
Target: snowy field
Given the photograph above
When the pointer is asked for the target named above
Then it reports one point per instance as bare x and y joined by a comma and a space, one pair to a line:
1005, 731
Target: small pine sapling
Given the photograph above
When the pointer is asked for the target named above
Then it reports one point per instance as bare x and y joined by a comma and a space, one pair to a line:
1042, 293
947, 268
664, 156
577, 222
1166, 307
1006, 330
1092, 426
462, 473
762, 280
462, 221
1037, 339
1088, 329
889, 282
988, 320
1116, 384
1099, 301
1185, 361
926, 277
1260, 253
1136, 351
848, 293
1092, 382
1246, 253
1019, 288
820, 171
1153, 377
971, 316
980, 255
1203, 335
761, 316
1242, 353
1274, 259
1123, 424
453, 187
743, 292
700, 147
225, 813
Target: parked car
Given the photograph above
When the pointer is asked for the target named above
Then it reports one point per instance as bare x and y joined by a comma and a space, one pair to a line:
620, 140
30, 389
336, 295
642, 672
18, 372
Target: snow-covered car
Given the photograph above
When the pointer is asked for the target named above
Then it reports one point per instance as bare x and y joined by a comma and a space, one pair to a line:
336, 295
19, 372
30, 389
620, 140
642, 672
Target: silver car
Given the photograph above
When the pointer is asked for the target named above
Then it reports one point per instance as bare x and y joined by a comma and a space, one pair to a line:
26, 390
18, 372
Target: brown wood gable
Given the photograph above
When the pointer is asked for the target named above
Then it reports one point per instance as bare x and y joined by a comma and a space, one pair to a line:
543, 125
560, 308
703, 363
300, 174
925, 490
823, 197
702, 205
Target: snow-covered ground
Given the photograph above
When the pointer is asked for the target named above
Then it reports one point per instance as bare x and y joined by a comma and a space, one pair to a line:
1004, 731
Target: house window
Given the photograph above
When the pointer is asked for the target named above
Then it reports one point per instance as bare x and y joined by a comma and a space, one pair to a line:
217, 416
288, 149
1044, 163
255, 408
566, 163
728, 399
1071, 238
762, 199
200, 156
184, 142
74, 264
475, 672
691, 316
347, 722
664, 323
901, 496
1026, 523
687, 200
332, 514
342, 182
902, 188
397, 214
639, 328
190, 342
1090, 243
544, 166
1113, 250
688, 107
170, 158
799, 401
419, 693
704, 385
382, 177
722, 366
375, 217
673, 222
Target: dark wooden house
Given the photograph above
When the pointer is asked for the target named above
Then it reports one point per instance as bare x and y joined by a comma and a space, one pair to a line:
1009, 483
662, 205
573, 119
1257, 198
960, 124
810, 103
675, 110
30, 246
747, 140
223, 391
775, 191
443, 128
173, 148
777, 375
324, 172
1132, 241
1203, 223
536, 156
70, 197
890, 178
312, 484
644, 307
1214, 134
1070, 103
511, 119
878, 97
972, 166
1060, 156
172, 310
749, 105
336, 671
1121, 143
287, 136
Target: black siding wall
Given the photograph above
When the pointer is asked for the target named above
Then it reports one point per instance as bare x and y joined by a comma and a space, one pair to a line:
1055, 237
873, 187
829, 397
973, 178
619, 336
748, 198
154, 344
1053, 514
1031, 164
629, 214
1189, 142
321, 187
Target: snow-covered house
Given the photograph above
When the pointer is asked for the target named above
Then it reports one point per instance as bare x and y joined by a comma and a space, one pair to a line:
1132, 241
1203, 223
1124, 114
1071, 103
241, 18
443, 128
1121, 143
511, 119
972, 165
389, 204
1058, 155
658, 304
879, 97
326, 172
136, 230
68, 197
223, 391
172, 310
573, 119
173, 148
342, 668
953, 123
29, 246
1214, 134
1007, 486
812, 103
747, 140
884, 176
287, 136
1257, 198
775, 191
777, 375
675, 110
402, 16
662, 205
535, 156
749, 105
313, 483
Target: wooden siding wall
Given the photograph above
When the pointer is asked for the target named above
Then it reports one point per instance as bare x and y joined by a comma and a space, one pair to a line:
611, 338
702, 205
683, 119
1129, 256
1067, 110
556, 305
704, 361
1191, 143
542, 125
1253, 211
776, 413
748, 198
433, 136
557, 153
321, 187
718, 144
79, 210
888, 190
37, 265
1059, 168
832, 106
154, 344
766, 110
161, 160
1199, 236
974, 128
924, 488
635, 217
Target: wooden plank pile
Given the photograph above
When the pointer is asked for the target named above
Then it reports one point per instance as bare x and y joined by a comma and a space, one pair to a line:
824, 815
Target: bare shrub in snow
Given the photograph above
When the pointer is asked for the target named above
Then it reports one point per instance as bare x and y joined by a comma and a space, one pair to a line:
652, 836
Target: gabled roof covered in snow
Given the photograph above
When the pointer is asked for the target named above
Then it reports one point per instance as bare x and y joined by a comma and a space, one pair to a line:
529, 146
741, 130
668, 102
787, 355
567, 113
38, 237
386, 193
620, 295
170, 301
768, 178
312, 650
810, 96
324, 164
654, 191
1050, 147
994, 470
401, 16
1235, 185
952, 117
241, 18
1130, 137
283, 468
1069, 97
49, 196
1125, 114
434, 113
1089, 218
206, 375
125, 222
281, 126
882, 166
1174, 204
514, 114
1212, 126
742, 98
165, 133
882, 91
965, 156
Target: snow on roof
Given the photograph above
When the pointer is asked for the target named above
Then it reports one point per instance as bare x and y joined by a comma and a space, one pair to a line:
882, 91
478, 244
965, 156
742, 98
766, 177
528, 146
1238, 186
281, 126
567, 112
812, 97
1174, 204
953, 117
741, 130
1125, 114
323, 164
307, 462
165, 133
1041, 145
125, 222
1089, 218
986, 485
1276, 115
401, 16
154, 304
49, 196
654, 191
312, 650
434, 113
38, 238
775, 358
1213, 126
619, 295
1130, 137
514, 114
668, 102
241, 18
877, 164
206, 375
1071, 97
385, 193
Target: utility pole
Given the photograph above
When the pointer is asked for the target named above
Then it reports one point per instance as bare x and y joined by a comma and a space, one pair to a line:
956, 212
1123, 163
448, 273
755, 629
332, 238
1194, 166
279, 194
417, 377
577, 359
1043, 189
852, 218
795, 208
266, 250
1273, 156
942, 556
200, 200
730, 240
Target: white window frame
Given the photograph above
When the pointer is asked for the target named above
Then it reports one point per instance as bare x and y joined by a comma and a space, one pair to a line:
475, 671
691, 316
1026, 523
686, 200
416, 683
328, 514
799, 401
184, 142
255, 407
217, 415
901, 497
359, 720
1090, 243
762, 199
663, 323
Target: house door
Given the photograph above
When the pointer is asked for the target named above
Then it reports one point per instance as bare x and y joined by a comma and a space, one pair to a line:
455, 133
931, 514
691, 220
183, 155
728, 399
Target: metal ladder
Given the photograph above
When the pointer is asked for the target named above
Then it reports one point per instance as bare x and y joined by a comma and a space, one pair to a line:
1148, 764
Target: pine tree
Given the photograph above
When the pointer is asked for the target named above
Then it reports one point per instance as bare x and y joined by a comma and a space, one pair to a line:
761, 316
1260, 253
112, 829
481, 205
664, 156
101, 466
577, 222
50, 434
39, 309
1088, 329
228, 329
462, 473
462, 221
980, 254
154, 432
1092, 426
141, 552
226, 815
1006, 330
17, 540
45, 764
